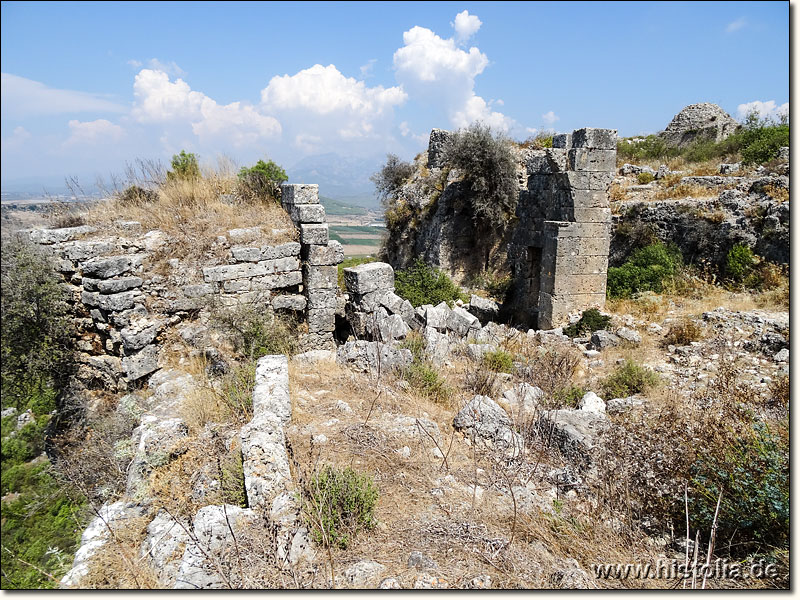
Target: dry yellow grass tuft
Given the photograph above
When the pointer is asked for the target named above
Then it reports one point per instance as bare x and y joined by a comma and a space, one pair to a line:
683, 190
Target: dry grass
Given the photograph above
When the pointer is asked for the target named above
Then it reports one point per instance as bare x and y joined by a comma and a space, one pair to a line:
684, 190
193, 212
118, 565
777, 193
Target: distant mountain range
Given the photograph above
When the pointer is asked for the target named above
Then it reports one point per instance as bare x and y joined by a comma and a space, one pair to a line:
343, 178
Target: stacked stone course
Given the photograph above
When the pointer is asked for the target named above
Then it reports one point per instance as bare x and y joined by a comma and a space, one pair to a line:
559, 250
320, 257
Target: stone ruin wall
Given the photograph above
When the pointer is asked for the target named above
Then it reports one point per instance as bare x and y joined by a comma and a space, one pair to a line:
122, 311
557, 251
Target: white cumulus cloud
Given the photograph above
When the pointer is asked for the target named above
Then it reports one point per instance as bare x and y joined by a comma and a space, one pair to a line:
319, 105
433, 68
466, 25
159, 100
93, 132
23, 97
550, 118
768, 109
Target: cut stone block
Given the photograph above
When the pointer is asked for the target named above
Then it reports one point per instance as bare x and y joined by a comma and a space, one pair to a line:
299, 193
306, 213
369, 277
562, 140
320, 277
321, 320
294, 302
332, 254
585, 159
590, 137
314, 234
281, 251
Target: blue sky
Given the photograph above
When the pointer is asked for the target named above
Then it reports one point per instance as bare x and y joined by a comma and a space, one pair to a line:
89, 86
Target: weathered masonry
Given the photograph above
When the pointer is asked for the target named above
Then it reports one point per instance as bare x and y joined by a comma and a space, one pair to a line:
558, 252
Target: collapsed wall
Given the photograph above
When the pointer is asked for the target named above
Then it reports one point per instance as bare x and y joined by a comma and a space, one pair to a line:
123, 307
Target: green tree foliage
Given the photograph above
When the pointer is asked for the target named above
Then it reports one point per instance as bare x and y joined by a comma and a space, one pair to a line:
489, 174
37, 340
647, 269
423, 284
184, 166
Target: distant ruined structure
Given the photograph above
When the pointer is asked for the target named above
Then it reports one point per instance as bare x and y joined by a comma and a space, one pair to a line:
557, 247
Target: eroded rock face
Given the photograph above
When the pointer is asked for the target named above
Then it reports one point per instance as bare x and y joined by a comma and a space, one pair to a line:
699, 121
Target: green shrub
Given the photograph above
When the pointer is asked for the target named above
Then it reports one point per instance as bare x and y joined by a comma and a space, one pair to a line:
391, 178
644, 178
760, 139
338, 503
37, 331
568, 396
683, 333
422, 284
263, 180
489, 174
499, 361
350, 262
184, 166
647, 269
591, 320
629, 379
650, 148
739, 263
425, 380
135, 195
753, 474
495, 283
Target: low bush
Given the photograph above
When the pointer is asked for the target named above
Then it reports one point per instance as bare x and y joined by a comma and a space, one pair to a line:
683, 333
761, 139
629, 379
644, 178
338, 504
497, 284
391, 178
262, 181
425, 380
423, 284
753, 475
415, 342
551, 369
647, 269
591, 320
568, 396
499, 361
37, 331
739, 263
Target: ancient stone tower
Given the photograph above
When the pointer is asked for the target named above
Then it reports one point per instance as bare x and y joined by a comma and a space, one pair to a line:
559, 250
